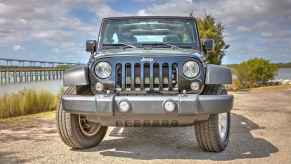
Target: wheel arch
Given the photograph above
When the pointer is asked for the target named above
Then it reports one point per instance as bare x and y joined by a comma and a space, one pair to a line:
216, 74
76, 76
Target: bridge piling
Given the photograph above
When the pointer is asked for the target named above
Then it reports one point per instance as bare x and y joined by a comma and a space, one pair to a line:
26, 71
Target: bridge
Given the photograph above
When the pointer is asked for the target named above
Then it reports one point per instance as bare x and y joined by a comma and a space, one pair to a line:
25, 71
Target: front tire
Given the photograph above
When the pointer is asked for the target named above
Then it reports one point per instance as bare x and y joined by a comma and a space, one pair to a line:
213, 134
75, 130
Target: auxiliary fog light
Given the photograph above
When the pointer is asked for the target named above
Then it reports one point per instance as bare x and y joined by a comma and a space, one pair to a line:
195, 86
124, 106
99, 87
169, 106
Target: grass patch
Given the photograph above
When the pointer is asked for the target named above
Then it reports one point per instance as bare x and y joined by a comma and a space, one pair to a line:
27, 102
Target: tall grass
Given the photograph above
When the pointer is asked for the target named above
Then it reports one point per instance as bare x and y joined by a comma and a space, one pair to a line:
27, 102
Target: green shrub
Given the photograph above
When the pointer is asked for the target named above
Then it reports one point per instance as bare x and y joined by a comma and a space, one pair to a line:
255, 72
210, 28
27, 102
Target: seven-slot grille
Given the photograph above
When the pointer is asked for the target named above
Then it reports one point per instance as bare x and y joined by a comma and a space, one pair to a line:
146, 76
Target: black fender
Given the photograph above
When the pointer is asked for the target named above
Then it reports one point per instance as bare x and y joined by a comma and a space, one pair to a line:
76, 76
217, 74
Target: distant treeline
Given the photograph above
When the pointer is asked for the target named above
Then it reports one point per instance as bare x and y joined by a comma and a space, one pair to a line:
279, 65
283, 65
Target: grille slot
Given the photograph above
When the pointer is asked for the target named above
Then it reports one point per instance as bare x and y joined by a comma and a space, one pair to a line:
146, 77
137, 77
118, 74
156, 76
165, 76
128, 75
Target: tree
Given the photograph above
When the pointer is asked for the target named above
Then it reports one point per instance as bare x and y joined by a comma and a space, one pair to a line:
255, 72
209, 28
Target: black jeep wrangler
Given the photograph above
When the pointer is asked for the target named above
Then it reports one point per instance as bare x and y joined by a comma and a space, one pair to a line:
146, 72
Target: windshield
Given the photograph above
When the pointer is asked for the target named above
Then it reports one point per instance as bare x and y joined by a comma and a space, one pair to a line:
162, 33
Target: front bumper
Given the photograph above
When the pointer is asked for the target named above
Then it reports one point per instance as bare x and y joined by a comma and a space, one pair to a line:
186, 104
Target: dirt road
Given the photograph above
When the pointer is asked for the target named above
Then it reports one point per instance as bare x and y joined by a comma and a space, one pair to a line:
260, 133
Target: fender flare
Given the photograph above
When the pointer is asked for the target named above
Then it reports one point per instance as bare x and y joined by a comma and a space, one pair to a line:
217, 74
76, 76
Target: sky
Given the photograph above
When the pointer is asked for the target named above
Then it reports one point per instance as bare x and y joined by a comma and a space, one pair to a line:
56, 30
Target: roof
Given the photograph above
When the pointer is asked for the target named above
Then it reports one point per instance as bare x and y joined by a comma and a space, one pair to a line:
151, 17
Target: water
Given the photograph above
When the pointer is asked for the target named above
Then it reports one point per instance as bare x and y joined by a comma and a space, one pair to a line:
284, 74
54, 86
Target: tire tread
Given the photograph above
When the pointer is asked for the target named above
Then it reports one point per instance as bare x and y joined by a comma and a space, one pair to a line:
66, 125
206, 131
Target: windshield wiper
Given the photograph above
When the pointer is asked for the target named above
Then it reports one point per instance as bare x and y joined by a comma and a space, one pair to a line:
168, 44
127, 45
171, 45
121, 44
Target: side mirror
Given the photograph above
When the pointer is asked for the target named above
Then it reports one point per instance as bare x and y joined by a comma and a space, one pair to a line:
208, 45
91, 46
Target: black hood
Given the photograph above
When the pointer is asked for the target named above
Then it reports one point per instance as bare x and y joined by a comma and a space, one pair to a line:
149, 53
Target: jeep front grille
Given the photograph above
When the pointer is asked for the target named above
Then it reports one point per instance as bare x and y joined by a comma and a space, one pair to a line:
146, 77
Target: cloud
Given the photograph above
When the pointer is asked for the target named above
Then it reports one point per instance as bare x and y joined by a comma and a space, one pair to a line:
254, 28
17, 47
267, 34
169, 7
35, 20
49, 24
4, 8
243, 29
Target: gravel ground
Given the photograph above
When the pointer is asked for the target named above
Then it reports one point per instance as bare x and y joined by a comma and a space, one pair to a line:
260, 133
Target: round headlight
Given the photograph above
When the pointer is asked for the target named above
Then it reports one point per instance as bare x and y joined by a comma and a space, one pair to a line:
103, 70
191, 69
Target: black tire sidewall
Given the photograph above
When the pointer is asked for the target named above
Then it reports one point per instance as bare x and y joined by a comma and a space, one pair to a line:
213, 118
84, 140
69, 128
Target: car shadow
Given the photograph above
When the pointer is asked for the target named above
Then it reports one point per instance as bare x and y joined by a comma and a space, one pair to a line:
180, 143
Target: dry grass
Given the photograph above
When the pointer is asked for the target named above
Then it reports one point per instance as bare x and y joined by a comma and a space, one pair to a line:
27, 102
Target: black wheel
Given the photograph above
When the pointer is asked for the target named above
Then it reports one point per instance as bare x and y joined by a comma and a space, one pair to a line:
213, 134
75, 130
